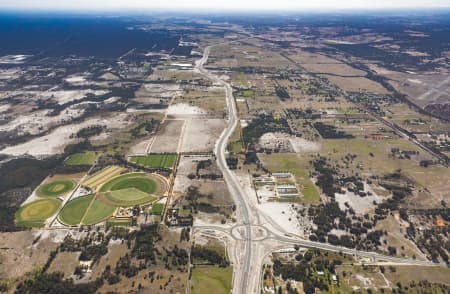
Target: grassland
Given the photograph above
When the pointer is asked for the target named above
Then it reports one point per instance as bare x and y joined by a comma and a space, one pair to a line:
155, 160
86, 158
55, 188
35, 213
73, 212
299, 167
97, 212
205, 278
103, 176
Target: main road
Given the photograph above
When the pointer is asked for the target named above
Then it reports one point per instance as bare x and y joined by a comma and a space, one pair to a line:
249, 249
243, 215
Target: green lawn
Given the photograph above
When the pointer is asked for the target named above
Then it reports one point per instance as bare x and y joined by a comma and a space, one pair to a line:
206, 278
118, 222
86, 158
120, 179
143, 184
128, 197
155, 160
55, 188
97, 212
157, 208
73, 211
35, 213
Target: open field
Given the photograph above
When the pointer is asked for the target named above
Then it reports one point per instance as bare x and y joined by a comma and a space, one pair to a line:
168, 136
355, 84
358, 277
65, 262
299, 167
97, 212
155, 160
98, 179
205, 278
35, 213
435, 178
55, 188
139, 181
201, 134
73, 211
86, 158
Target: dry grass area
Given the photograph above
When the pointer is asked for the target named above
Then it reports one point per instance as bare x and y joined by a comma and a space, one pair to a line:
436, 178
356, 84
211, 100
319, 63
359, 278
64, 262
200, 135
18, 254
396, 229
168, 136
115, 252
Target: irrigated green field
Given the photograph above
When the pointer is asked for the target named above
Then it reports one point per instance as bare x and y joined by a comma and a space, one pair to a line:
86, 158
139, 181
97, 212
73, 212
35, 213
55, 188
155, 160
205, 278
127, 197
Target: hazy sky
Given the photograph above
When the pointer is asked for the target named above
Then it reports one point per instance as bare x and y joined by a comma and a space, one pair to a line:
218, 4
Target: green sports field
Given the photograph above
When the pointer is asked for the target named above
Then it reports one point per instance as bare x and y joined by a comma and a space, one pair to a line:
73, 211
127, 197
119, 191
55, 188
155, 160
86, 158
139, 181
35, 213
97, 212
205, 278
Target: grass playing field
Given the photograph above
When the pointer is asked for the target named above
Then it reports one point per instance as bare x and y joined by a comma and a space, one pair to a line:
86, 158
127, 197
55, 188
155, 160
35, 213
73, 212
97, 212
205, 278
139, 181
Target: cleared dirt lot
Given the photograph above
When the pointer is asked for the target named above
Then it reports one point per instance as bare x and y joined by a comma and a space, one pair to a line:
201, 135
168, 137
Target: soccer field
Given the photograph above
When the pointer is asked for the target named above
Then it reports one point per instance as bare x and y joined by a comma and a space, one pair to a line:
155, 160
86, 158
